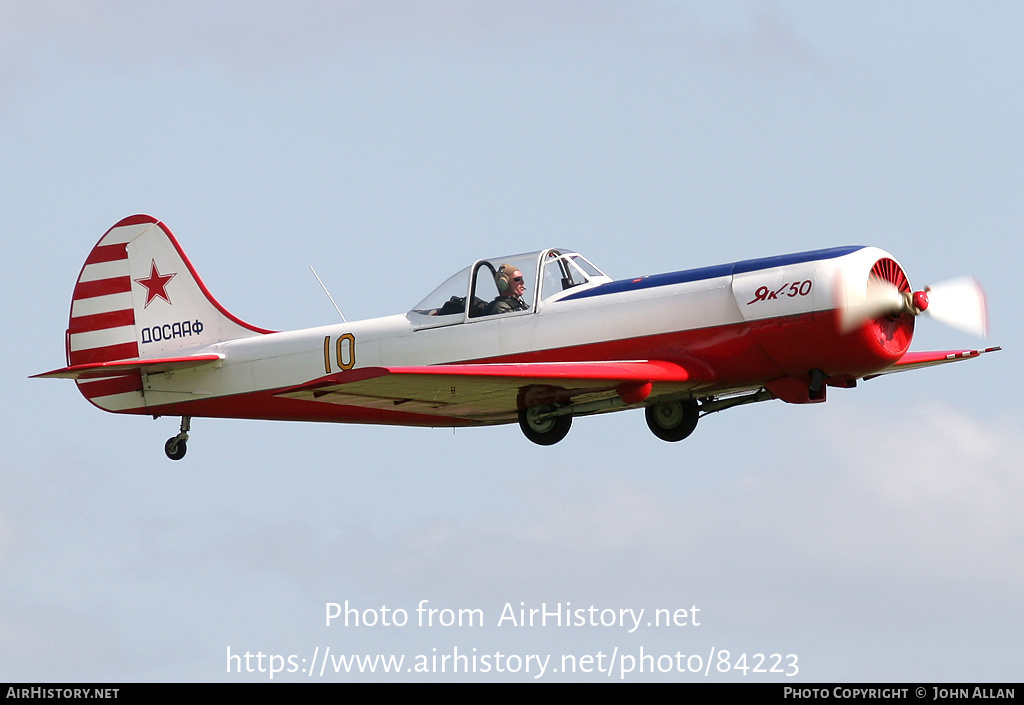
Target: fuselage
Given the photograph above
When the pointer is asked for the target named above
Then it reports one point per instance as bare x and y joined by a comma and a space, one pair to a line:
743, 325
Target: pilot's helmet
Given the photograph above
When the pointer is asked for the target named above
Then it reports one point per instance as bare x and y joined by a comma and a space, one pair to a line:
503, 279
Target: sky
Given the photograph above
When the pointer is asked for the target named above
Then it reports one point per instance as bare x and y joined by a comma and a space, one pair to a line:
876, 537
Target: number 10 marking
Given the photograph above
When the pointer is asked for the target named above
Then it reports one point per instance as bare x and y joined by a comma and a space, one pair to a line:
344, 352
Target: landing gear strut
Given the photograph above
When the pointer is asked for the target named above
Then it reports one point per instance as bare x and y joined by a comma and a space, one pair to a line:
674, 420
175, 447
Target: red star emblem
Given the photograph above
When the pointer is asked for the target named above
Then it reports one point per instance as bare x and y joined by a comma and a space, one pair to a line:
156, 284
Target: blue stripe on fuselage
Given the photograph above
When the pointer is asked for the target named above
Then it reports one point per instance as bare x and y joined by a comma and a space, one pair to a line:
719, 270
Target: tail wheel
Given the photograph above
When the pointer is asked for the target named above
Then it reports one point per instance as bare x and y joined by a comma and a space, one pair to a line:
543, 430
674, 420
175, 448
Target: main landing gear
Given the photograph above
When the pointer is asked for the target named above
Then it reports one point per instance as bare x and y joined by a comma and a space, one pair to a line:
670, 421
674, 420
175, 447
540, 425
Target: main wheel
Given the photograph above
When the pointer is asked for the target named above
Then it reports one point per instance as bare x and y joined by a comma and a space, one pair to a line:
543, 431
175, 448
674, 420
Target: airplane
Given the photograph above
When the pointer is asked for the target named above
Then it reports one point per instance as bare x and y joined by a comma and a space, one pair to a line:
145, 336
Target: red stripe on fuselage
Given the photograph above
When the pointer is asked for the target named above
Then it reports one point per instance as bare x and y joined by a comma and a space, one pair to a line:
749, 353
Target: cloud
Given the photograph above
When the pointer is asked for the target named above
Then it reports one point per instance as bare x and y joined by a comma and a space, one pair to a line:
943, 483
938, 454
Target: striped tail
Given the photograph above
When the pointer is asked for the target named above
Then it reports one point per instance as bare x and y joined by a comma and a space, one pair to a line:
139, 306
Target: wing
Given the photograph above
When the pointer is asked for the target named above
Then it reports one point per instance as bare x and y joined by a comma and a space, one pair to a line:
917, 360
494, 392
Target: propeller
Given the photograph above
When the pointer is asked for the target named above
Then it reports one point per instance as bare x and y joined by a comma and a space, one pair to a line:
958, 303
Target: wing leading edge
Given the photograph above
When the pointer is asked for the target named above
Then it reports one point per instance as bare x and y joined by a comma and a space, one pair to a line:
930, 358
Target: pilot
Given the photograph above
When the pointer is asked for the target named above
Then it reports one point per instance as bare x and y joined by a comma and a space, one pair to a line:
511, 287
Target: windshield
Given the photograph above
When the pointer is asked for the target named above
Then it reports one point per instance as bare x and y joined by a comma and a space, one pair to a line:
505, 285
566, 272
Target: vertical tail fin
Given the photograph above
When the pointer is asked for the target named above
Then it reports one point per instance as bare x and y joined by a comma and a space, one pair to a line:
139, 298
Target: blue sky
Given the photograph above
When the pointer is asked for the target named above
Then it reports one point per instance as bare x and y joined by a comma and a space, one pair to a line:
877, 536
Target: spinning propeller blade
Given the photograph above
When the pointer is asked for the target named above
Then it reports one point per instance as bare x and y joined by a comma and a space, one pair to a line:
879, 298
958, 303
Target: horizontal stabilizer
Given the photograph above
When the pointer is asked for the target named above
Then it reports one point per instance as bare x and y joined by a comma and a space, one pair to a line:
105, 369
